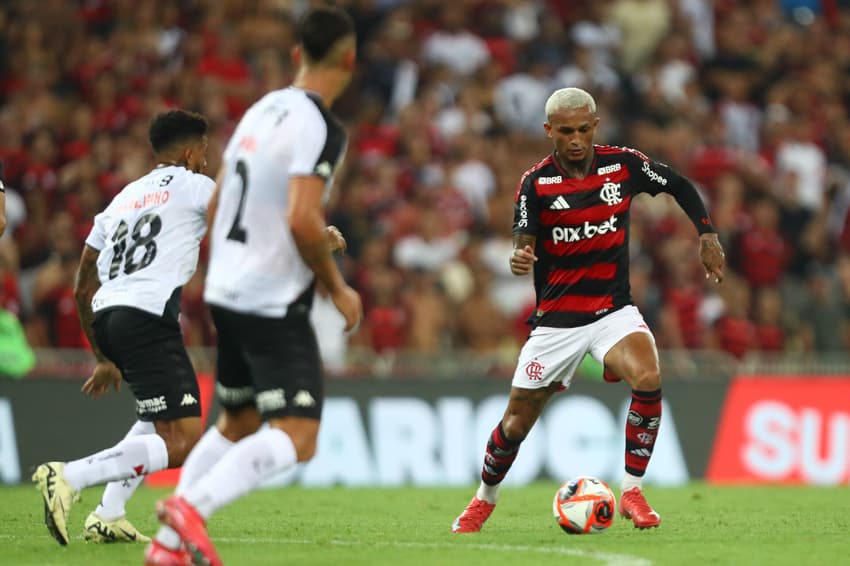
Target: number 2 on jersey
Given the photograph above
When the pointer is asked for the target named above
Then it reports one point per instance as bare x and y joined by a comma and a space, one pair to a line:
120, 251
237, 232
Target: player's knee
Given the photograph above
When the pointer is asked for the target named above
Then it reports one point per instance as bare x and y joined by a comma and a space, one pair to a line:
179, 447
235, 425
647, 379
516, 428
304, 443
179, 443
305, 451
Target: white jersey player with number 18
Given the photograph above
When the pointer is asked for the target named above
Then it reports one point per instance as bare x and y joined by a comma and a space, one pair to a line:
149, 237
141, 250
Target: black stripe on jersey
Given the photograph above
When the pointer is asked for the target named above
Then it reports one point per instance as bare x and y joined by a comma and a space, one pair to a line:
579, 260
335, 141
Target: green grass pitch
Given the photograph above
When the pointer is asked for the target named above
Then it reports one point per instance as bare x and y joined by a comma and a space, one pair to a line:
410, 527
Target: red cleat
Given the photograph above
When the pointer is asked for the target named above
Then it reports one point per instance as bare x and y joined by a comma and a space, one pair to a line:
610, 376
178, 514
157, 554
633, 506
473, 517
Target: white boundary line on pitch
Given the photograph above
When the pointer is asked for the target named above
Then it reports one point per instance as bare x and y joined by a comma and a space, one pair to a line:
607, 558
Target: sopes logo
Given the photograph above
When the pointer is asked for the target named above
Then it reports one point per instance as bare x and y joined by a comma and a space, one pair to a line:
586, 231
523, 212
653, 176
549, 180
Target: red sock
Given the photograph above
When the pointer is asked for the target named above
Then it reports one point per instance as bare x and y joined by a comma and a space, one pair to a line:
501, 453
642, 429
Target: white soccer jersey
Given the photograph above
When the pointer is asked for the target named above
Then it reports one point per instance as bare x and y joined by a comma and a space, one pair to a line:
149, 237
254, 265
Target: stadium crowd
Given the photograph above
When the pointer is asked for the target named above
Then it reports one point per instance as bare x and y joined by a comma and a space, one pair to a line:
747, 98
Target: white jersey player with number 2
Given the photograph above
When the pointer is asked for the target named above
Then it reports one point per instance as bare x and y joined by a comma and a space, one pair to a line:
269, 247
255, 266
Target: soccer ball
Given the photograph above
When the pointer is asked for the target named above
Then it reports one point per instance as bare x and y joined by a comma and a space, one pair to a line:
584, 505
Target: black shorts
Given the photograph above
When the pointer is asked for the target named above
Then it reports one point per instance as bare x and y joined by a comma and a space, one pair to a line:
272, 364
150, 353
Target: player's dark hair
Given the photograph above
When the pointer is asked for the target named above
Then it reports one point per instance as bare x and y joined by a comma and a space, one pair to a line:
320, 28
169, 128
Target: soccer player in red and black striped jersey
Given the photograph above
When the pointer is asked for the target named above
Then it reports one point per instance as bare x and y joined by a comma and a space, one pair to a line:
571, 229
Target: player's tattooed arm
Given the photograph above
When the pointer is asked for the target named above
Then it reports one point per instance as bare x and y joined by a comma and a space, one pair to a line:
85, 286
712, 256
522, 256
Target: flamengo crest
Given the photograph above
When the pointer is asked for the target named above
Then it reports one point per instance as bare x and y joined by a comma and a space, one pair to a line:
610, 193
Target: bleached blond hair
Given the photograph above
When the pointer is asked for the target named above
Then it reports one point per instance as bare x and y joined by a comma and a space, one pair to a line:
569, 98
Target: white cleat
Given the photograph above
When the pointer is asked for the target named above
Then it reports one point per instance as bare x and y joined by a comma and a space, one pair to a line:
58, 497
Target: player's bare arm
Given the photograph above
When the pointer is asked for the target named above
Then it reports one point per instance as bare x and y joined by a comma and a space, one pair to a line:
305, 217
712, 256
522, 257
85, 286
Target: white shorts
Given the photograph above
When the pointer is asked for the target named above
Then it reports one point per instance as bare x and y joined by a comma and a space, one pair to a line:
553, 354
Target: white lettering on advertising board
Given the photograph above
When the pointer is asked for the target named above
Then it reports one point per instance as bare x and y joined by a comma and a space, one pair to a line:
410, 441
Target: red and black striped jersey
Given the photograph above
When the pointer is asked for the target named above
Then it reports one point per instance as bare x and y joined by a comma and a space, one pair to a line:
582, 230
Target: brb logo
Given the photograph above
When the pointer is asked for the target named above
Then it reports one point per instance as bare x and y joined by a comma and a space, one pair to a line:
550, 180
585, 232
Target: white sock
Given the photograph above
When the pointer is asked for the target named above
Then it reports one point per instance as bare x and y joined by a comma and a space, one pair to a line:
630, 482
132, 457
253, 459
209, 450
489, 493
118, 493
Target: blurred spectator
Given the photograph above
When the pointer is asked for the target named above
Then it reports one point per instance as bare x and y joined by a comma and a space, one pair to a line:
748, 99
453, 45
770, 331
481, 326
734, 332
431, 246
823, 315
761, 251
642, 25
429, 311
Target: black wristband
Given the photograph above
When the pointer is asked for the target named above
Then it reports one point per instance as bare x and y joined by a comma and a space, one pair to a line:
691, 202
